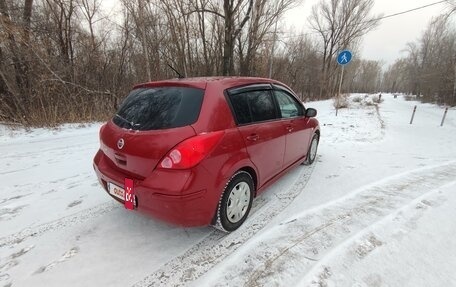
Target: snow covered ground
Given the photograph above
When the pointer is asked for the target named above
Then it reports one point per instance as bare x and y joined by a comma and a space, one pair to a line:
376, 209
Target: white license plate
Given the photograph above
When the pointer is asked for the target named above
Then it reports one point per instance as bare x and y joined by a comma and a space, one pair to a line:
116, 190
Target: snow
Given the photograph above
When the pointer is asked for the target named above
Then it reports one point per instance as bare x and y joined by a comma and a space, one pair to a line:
376, 209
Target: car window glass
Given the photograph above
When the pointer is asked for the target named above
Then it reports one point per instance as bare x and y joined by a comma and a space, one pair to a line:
288, 106
253, 106
159, 108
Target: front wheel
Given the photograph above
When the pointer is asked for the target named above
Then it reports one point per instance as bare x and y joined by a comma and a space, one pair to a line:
312, 152
235, 203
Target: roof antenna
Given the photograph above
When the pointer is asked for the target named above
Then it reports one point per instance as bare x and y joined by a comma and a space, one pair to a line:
180, 76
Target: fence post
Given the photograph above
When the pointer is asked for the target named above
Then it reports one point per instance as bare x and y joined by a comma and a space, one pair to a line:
413, 115
444, 116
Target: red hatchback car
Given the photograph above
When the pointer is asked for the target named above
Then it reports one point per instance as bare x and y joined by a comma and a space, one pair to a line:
198, 150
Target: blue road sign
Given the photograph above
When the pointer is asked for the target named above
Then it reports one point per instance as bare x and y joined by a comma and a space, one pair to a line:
344, 57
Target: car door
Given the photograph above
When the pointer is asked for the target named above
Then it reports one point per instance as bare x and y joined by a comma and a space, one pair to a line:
295, 124
258, 122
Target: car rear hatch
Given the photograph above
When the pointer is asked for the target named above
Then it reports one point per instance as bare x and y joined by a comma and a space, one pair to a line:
150, 121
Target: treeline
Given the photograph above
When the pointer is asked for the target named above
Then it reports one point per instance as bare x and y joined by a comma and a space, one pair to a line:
429, 67
72, 61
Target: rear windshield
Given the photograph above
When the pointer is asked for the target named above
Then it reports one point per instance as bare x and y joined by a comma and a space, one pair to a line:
159, 108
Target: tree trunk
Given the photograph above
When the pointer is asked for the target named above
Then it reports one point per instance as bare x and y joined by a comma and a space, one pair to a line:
229, 41
26, 18
144, 39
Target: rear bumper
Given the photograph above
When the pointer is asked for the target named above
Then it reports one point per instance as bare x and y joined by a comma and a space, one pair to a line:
180, 197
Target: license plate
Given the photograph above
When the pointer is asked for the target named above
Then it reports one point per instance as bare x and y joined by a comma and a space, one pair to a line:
116, 190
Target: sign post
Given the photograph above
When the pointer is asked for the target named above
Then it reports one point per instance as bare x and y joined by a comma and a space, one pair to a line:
343, 59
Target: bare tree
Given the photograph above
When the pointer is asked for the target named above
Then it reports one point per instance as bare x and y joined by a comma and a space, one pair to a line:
265, 14
339, 23
363, 76
67, 61
298, 65
233, 11
428, 70
89, 9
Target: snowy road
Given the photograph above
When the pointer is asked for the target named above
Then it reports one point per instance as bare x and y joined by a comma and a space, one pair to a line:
381, 191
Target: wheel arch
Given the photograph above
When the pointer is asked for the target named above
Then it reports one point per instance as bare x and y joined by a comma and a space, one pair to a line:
246, 167
254, 176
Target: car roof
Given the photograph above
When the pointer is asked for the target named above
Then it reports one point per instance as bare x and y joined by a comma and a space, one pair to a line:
202, 82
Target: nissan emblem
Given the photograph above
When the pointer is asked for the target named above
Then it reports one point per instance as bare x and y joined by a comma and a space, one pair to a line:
120, 143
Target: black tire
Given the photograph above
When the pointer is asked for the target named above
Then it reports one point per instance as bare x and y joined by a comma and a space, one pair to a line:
312, 153
240, 183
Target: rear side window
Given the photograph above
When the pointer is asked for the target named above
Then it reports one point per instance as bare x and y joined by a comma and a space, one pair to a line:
253, 106
159, 108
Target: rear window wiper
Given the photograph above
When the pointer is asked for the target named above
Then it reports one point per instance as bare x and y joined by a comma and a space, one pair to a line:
131, 124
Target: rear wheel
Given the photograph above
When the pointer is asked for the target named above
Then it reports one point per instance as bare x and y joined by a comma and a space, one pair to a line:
235, 203
312, 152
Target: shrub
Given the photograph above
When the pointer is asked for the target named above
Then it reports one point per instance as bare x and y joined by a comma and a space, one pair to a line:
357, 99
341, 102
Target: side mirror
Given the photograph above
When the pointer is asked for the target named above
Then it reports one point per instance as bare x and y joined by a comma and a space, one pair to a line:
311, 113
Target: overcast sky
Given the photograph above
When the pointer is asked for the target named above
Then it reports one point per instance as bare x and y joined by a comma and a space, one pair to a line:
390, 37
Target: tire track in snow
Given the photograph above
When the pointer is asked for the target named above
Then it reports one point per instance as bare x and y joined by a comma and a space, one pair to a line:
285, 253
60, 223
366, 234
218, 245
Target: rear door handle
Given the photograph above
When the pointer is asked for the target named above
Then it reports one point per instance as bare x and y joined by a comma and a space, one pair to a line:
253, 137
289, 128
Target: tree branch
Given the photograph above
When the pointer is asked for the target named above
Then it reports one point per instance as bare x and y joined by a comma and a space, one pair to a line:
207, 11
244, 21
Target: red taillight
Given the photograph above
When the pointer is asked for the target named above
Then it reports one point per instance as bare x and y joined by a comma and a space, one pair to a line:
191, 151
